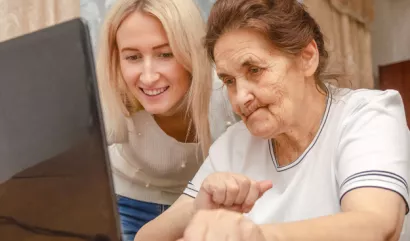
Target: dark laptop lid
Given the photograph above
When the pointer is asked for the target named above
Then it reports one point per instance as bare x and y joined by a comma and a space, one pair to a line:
55, 180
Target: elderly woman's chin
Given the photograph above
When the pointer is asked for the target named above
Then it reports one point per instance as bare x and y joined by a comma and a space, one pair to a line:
261, 125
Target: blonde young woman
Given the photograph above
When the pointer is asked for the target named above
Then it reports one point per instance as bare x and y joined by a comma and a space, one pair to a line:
155, 83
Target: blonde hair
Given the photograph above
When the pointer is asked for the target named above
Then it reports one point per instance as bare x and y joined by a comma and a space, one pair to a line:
185, 29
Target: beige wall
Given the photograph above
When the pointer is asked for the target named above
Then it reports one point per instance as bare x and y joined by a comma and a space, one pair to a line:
390, 32
19, 17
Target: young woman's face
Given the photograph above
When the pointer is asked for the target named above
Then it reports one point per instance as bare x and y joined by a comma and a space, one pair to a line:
148, 66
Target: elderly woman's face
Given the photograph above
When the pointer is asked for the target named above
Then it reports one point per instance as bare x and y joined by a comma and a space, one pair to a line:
265, 87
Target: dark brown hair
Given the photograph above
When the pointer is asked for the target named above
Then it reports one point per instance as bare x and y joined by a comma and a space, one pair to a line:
285, 22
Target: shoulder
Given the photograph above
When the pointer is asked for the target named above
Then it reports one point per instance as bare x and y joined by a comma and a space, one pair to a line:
358, 102
234, 140
372, 119
362, 97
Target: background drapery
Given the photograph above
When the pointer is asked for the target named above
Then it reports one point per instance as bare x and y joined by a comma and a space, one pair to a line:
18, 17
346, 26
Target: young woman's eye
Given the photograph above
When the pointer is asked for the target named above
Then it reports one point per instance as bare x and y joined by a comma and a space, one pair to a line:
166, 55
132, 57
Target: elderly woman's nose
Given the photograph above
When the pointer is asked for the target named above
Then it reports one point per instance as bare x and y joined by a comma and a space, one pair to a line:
244, 94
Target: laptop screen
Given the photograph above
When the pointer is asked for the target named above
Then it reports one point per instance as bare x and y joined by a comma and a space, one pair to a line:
55, 181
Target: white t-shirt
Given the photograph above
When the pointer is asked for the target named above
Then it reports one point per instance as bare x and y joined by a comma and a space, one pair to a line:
363, 141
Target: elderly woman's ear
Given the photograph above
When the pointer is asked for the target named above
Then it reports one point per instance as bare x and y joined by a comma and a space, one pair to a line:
309, 59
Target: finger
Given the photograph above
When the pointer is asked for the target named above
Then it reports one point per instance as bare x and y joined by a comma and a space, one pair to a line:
252, 196
232, 190
246, 209
244, 185
264, 186
235, 208
218, 194
217, 190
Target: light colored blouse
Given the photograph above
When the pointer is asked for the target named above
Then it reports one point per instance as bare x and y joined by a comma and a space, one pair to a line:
154, 167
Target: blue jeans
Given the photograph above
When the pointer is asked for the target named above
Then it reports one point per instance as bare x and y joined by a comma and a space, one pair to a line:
134, 214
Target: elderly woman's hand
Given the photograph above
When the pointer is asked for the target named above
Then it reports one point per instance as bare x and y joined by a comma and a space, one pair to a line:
220, 224
230, 191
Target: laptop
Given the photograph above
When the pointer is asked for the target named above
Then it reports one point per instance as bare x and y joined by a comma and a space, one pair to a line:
55, 178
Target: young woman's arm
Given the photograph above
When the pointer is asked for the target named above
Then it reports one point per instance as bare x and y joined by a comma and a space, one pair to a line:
170, 225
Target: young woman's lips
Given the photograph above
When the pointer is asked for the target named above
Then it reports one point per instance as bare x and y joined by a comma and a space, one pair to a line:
154, 92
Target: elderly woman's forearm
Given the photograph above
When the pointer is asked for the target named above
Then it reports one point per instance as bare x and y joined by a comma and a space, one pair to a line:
349, 226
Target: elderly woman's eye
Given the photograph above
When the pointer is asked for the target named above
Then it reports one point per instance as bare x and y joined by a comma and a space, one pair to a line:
254, 70
228, 81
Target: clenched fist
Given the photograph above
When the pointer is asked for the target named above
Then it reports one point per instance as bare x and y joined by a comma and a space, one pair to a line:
230, 191
216, 225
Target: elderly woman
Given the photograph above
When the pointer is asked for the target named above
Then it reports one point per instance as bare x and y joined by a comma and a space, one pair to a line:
308, 161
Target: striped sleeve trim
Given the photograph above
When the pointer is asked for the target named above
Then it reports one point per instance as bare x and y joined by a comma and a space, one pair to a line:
377, 174
377, 179
191, 190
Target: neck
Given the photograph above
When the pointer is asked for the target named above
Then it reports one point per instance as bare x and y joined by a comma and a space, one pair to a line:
177, 126
291, 144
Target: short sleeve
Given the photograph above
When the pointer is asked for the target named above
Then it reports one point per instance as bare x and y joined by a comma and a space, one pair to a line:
374, 148
194, 185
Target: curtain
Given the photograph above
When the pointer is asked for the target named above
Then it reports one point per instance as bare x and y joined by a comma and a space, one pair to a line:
18, 17
93, 11
345, 24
